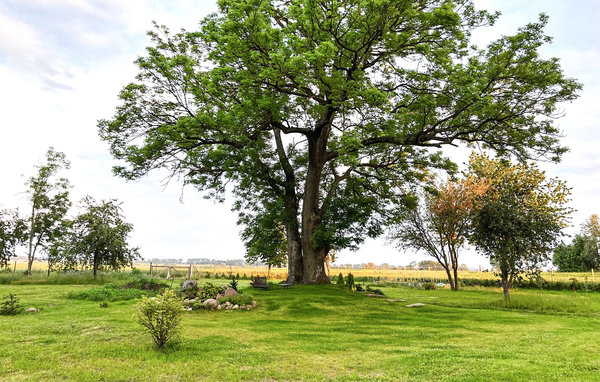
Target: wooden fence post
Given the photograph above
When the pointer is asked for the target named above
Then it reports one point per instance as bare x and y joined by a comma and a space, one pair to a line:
151, 268
593, 275
15, 268
190, 272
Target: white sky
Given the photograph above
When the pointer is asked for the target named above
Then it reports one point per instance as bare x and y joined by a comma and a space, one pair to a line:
63, 62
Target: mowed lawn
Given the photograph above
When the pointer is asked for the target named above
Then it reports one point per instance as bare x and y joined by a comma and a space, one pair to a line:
311, 333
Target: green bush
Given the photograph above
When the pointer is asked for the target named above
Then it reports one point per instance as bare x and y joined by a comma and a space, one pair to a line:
240, 299
360, 287
109, 293
160, 316
429, 286
209, 290
234, 283
340, 279
350, 281
375, 291
10, 306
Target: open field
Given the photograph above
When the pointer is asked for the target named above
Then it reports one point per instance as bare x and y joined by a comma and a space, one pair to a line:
200, 271
311, 333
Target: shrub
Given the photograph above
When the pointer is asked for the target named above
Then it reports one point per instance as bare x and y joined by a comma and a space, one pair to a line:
240, 299
109, 293
429, 286
160, 316
210, 291
233, 284
360, 287
340, 279
375, 291
10, 306
350, 281
104, 304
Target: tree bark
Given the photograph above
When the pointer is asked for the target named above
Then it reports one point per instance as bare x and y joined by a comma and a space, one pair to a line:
313, 255
95, 266
294, 240
505, 286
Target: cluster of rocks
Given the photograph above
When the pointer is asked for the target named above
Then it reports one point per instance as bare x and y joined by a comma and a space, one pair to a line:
213, 303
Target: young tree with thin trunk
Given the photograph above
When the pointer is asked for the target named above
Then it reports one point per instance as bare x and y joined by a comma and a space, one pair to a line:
518, 220
327, 104
439, 225
49, 198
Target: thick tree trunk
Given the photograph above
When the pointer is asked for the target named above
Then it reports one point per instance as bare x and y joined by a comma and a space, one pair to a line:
294, 251
505, 286
294, 240
312, 215
313, 256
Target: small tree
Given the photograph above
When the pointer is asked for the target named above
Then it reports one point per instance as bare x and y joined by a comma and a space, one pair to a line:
49, 198
99, 237
517, 221
13, 232
439, 226
161, 316
265, 239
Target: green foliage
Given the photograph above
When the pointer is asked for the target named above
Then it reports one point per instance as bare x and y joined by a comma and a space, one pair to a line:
208, 290
350, 281
340, 279
99, 237
160, 316
104, 304
234, 283
13, 232
375, 291
517, 220
49, 198
240, 299
429, 286
10, 306
109, 293
211, 106
360, 287
582, 254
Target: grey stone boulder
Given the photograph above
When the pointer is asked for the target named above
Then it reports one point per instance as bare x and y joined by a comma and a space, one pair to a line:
32, 310
254, 304
231, 292
235, 307
415, 305
211, 303
219, 296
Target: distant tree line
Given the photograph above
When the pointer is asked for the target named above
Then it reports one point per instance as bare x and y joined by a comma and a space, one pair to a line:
96, 238
581, 254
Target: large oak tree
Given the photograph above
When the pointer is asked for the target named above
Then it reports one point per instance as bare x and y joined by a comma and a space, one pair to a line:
330, 107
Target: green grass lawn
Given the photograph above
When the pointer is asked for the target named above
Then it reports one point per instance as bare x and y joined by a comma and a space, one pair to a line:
311, 333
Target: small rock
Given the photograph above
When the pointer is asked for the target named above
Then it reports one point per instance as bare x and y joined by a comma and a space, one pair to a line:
254, 304
414, 305
219, 307
186, 302
231, 292
392, 300
374, 295
189, 309
227, 303
211, 303
32, 310
228, 307
219, 296
235, 307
